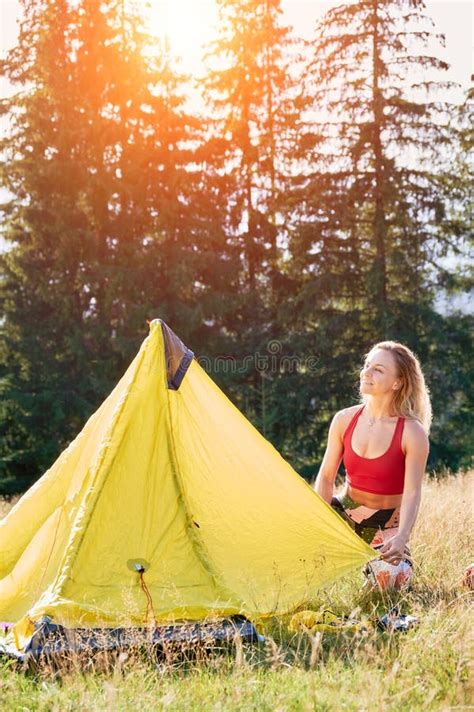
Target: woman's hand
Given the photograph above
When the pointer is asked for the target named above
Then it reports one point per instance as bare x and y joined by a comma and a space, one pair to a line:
393, 550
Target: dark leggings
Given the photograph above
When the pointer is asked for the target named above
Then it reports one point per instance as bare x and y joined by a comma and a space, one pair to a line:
364, 521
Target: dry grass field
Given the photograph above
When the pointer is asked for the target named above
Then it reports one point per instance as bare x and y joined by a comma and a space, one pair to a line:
427, 667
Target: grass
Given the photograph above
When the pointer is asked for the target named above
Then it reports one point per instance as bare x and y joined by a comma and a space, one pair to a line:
425, 668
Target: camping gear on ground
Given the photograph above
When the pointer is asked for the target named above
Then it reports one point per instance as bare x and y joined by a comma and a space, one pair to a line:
468, 577
326, 621
50, 641
168, 506
396, 621
329, 622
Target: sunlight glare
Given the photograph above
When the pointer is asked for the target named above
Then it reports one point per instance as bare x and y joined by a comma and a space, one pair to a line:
188, 25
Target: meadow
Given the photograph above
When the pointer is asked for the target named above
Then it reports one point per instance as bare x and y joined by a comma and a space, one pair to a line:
428, 667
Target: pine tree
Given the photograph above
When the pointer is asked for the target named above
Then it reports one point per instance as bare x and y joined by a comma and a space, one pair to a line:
455, 234
368, 214
43, 354
106, 225
250, 90
375, 149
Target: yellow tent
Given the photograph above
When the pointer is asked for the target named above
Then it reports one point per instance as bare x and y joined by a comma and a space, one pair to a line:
168, 491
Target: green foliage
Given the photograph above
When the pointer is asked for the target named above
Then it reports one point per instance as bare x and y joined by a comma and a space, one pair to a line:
370, 225
111, 223
283, 214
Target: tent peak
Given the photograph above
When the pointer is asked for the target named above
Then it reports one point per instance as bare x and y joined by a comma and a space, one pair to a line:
154, 323
178, 356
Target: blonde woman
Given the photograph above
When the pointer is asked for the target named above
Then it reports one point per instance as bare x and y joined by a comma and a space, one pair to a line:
384, 445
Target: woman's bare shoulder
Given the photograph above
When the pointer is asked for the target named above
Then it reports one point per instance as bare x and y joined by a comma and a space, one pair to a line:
348, 412
343, 417
415, 430
414, 437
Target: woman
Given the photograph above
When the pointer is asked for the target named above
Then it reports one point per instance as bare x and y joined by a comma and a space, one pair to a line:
384, 446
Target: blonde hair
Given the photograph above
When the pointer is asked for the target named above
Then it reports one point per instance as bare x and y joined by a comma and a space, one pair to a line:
412, 399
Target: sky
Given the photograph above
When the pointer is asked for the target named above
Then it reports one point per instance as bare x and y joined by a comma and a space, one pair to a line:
189, 24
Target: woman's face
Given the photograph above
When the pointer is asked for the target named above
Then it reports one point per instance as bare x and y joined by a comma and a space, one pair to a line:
379, 373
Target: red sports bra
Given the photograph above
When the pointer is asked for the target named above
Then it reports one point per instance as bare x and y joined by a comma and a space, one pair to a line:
380, 475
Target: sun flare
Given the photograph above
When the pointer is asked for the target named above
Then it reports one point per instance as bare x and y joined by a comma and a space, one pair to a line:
187, 24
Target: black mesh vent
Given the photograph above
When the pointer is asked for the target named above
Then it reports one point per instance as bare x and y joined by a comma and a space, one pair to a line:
178, 357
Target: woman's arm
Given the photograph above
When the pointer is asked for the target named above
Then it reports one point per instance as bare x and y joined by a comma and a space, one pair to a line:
416, 456
324, 484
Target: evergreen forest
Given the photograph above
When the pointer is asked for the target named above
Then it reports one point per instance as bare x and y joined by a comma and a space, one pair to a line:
282, 212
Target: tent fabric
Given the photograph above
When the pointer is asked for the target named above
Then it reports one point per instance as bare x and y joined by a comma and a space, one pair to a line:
173, 481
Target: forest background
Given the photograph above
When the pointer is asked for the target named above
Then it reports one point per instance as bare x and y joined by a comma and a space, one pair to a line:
315, 198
